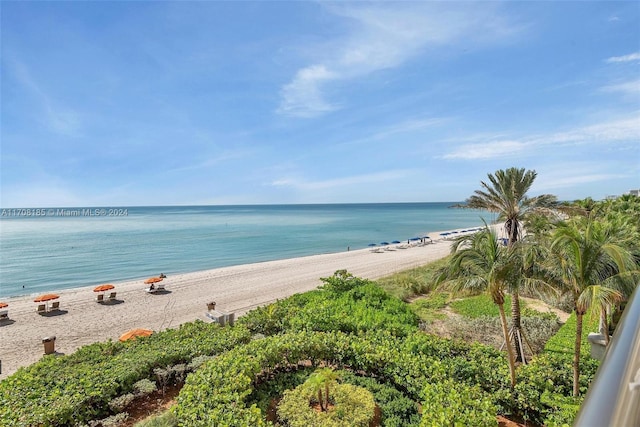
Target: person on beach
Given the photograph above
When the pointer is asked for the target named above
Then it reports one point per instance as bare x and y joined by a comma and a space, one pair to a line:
162, 275
152, 287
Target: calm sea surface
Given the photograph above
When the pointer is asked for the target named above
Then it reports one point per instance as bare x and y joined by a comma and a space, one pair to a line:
55, 251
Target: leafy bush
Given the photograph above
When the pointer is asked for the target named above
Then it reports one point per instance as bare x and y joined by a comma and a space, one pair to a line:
87, 380
396, 410
144, 386
166, 419
352, 407
220, 392
545, 386
449, 403
342, 281
362, 308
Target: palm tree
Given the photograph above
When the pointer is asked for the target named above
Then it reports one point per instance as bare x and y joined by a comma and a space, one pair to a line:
593, 261
319, 379
506, 195
479, 263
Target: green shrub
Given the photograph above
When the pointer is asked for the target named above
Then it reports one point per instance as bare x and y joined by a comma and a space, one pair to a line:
220, 392
87, 380
454, 404
144, 387
396, 409
166, 419
362, 308
119, 403
352, 407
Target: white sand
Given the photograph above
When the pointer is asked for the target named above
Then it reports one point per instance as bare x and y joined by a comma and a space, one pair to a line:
240, 288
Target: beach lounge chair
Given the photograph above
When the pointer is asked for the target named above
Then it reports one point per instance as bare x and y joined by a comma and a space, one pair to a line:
42, 308
4, 314
160, 287
55, 306
112, 296
100, 298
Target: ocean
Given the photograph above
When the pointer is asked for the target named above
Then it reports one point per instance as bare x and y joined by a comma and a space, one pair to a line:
61, 248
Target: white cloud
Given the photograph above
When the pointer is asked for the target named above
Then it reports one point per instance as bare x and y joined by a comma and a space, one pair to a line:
575, 174
385, 36
303, 96
301, 184
628, 88
621, 130
488, 150
625, 58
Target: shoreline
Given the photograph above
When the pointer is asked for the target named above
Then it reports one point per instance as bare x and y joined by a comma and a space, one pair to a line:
81, 321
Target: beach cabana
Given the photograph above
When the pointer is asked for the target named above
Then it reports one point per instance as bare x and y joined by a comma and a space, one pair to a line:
135, 333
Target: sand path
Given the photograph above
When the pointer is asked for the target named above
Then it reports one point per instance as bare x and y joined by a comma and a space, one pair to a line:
240, 288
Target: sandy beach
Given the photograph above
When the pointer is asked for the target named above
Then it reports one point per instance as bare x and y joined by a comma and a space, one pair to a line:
82, 321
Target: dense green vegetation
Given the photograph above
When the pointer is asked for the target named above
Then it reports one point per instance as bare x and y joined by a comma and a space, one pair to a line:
369, 339
73, 389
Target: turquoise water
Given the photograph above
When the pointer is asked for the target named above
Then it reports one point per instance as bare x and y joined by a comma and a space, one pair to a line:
52, 251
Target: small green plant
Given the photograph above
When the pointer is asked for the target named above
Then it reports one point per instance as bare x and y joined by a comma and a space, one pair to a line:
352, 407
119, 403
323, 378
144, 387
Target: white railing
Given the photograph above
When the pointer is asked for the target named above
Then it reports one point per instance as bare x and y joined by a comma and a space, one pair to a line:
613, 398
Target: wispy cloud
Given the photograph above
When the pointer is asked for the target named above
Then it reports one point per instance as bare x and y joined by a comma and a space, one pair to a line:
381, 37
624, 58
626, 129
60, 119
573, 174
373, 178
627, 88
488, 150
212, 161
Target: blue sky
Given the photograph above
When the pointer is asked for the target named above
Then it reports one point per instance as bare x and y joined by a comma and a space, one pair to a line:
162, 103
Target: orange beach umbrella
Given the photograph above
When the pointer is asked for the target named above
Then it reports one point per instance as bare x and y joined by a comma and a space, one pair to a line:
153, 280
3, 305
134, 333
46, 297
103, 288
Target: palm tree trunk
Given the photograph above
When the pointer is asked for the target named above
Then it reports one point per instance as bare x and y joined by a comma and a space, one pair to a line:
516, 326
576, 355
505, 332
